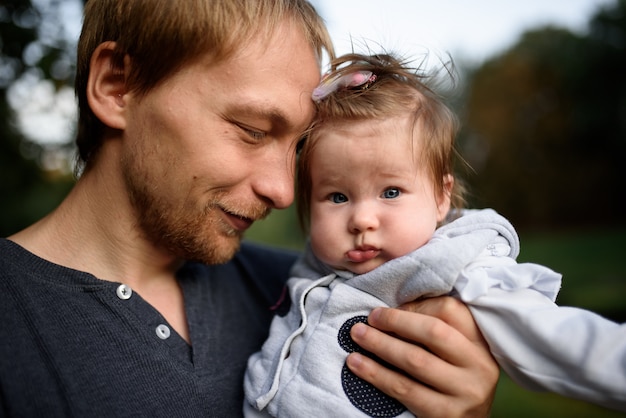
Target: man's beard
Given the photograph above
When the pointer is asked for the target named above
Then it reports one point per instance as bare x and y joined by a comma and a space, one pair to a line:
184, 229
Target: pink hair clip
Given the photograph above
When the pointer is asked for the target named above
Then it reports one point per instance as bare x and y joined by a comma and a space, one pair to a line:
330, 85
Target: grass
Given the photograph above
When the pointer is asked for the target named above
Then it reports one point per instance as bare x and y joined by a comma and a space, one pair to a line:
592, 262
514, 402
593, 265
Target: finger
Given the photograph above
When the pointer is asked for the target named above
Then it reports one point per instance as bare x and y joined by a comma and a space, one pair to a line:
439, 386
417, 397
416, 361
440, 338
450, 310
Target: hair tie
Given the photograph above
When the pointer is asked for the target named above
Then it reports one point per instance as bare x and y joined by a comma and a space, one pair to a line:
329, 85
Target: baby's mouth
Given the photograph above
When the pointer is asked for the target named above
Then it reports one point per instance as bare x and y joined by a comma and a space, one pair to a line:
362, 254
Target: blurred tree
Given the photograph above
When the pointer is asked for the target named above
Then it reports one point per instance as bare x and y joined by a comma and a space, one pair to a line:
31, 43
545, 125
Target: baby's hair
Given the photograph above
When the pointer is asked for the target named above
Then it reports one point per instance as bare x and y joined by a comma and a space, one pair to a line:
368, 87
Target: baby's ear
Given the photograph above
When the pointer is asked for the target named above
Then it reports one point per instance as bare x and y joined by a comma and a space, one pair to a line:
106, 86
444, 197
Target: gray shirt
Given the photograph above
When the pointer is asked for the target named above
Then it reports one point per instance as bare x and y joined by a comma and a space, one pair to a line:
74, 345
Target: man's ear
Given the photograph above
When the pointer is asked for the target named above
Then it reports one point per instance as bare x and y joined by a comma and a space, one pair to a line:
106, 87
444, 198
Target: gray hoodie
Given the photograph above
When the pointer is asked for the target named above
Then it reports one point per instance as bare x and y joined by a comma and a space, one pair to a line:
301, 371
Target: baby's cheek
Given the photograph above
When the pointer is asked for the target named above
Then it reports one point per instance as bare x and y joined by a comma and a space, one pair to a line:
324, 248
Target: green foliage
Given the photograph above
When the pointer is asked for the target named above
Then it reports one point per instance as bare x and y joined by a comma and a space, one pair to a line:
28, 192
544, 126
15, 35
281, 228
592, 264
514, 402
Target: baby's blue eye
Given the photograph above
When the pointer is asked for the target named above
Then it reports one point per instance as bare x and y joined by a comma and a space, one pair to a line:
338, 198
391, 193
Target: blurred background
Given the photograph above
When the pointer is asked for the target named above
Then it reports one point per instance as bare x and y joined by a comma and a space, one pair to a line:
540, 90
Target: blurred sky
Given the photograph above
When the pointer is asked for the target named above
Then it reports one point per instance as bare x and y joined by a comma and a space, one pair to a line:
470, 30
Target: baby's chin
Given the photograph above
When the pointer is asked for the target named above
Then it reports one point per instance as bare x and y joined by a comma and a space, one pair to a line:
364, 267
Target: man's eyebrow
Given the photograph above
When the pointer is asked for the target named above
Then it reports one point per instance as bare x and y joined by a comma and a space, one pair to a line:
274, 114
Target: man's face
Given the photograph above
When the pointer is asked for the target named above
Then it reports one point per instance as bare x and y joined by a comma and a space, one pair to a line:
212, 149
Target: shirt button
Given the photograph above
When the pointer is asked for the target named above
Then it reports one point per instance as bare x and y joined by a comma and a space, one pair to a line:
124, 292
163, 332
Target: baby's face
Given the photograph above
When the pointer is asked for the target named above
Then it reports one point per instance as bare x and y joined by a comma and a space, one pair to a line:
371, 198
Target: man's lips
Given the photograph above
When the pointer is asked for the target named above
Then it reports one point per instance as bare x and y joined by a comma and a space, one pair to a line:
240, 223
362, 254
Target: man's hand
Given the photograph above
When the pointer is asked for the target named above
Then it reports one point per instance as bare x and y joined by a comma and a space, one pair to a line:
449, 369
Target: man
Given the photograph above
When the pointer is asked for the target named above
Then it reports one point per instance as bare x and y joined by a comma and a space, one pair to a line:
123, 301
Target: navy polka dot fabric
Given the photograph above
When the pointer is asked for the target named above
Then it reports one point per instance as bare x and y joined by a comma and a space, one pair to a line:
363, 395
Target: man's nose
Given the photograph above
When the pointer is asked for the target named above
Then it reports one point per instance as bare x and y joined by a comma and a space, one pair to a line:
274, 182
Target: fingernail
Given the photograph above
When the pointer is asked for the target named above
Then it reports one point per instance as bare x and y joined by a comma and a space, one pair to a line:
354, 360
358, 330
375, 314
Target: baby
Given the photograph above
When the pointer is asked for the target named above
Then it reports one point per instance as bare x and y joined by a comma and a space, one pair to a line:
384, 212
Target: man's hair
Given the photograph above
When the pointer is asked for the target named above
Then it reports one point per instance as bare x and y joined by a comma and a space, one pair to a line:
160, 36
387, 87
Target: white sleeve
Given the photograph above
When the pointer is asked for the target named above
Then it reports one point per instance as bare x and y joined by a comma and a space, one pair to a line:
540, 345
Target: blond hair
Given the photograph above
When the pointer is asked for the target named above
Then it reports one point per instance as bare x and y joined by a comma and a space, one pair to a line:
160, 36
